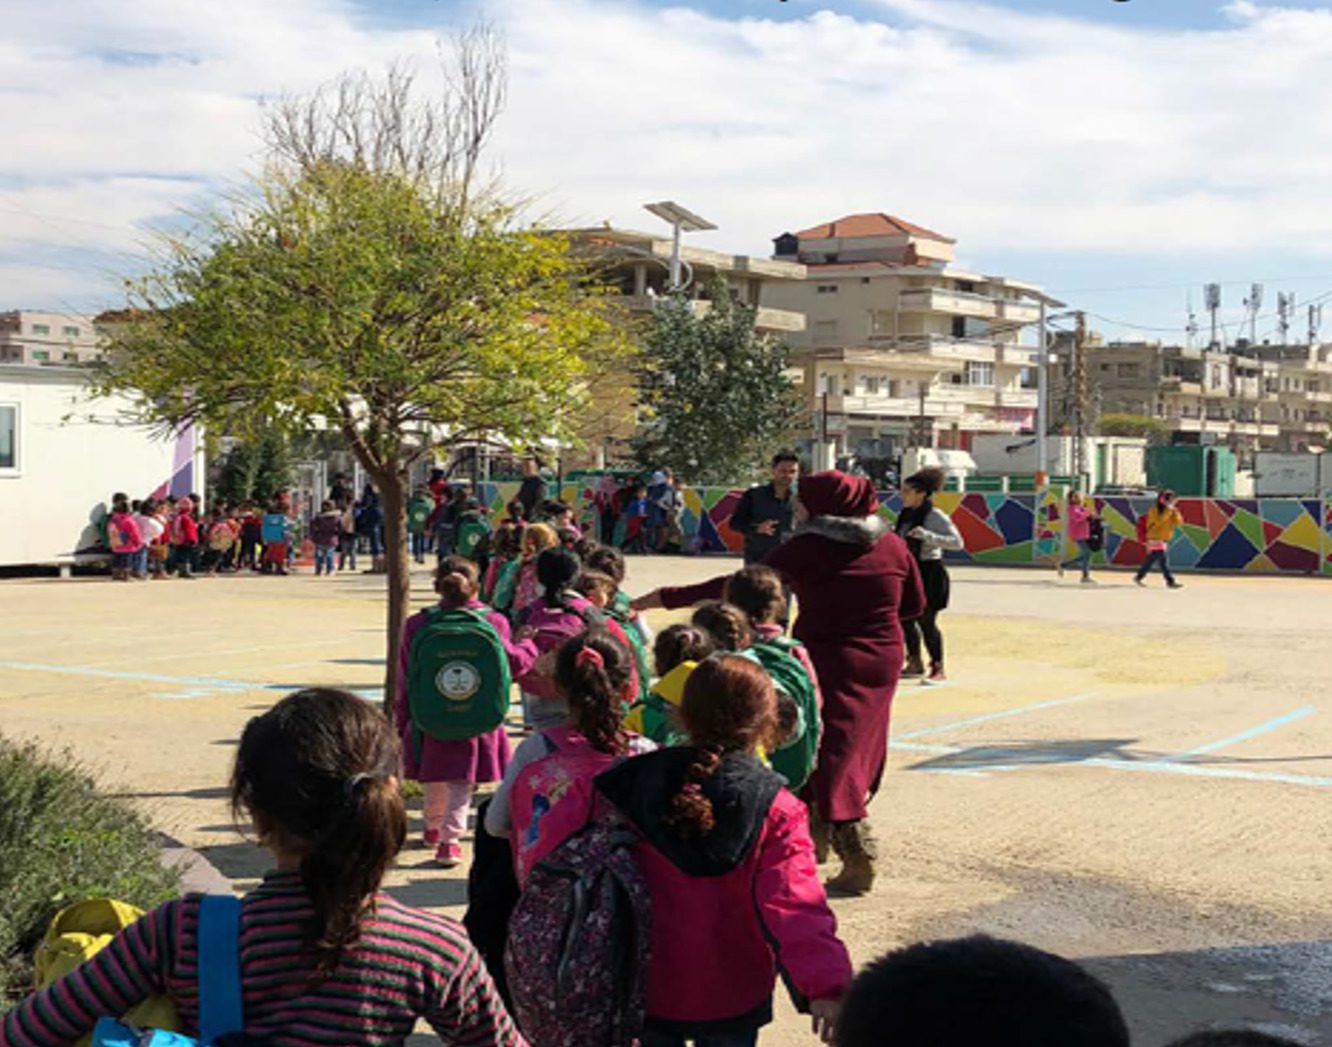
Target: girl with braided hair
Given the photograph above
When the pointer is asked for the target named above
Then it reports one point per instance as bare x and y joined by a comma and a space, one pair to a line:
726, 851
546, 794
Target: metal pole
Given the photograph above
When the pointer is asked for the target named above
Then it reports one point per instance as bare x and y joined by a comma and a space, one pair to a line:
1080, 399
675, 258
1042, 400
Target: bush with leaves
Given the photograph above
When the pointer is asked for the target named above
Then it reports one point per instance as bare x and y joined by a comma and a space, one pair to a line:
61, 841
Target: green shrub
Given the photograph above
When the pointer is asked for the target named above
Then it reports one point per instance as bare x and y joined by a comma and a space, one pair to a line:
61, 842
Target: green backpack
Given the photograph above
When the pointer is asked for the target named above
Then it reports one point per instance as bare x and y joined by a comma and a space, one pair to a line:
506, 585
458, 682
637, 648
795, 760
471, 533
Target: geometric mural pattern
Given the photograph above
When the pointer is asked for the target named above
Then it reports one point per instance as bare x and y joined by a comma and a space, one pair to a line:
1259, 535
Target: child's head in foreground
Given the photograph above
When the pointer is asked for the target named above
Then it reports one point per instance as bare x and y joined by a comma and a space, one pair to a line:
978, 992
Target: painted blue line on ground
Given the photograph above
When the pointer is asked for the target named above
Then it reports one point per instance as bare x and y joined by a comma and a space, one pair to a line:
1002, 714
1244, 736
192, 686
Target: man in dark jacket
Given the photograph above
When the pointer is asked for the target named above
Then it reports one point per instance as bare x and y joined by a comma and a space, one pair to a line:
532, 491
764, 513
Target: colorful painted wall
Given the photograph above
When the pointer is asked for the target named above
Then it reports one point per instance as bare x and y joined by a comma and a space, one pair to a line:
1268, 535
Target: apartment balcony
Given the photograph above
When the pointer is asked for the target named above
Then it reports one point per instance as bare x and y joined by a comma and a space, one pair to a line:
937, 345
1175, 384
766, 319
941, 300
1019, 312
1015, 355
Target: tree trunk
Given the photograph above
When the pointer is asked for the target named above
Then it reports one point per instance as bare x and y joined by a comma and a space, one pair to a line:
393, 495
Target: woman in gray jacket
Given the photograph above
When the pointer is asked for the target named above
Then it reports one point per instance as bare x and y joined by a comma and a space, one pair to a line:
928, 533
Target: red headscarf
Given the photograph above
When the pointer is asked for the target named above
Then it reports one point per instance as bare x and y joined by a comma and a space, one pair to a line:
837, 494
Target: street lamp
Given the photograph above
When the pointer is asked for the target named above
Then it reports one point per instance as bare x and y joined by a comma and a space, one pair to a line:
682, 220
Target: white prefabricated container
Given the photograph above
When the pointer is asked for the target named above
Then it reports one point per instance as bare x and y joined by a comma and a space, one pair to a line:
62, 455
1296, 475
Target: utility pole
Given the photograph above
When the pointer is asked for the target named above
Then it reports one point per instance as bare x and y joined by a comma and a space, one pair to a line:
1042, 399
1080, 398
1212, 300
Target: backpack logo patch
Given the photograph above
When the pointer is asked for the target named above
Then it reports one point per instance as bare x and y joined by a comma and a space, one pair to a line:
458, 681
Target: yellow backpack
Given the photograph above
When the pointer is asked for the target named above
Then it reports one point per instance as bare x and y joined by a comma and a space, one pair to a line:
79, 932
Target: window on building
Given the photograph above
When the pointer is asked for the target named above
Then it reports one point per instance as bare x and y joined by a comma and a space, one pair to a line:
894, 388
41, 328
41, 355
966, 287
959, 327
871, 385
831, 385
9, 437
825, 331
1126, 370
69, 357
827, 289
72, 332
980, 373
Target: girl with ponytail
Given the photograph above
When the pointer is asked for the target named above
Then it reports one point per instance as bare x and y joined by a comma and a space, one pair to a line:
324, 955
726, 851
547, 791
450, 770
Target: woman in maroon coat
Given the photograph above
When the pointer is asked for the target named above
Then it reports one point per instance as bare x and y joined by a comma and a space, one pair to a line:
855, 581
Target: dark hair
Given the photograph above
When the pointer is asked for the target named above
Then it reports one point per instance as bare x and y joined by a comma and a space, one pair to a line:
589, 582
680, 643
507, 542
584, 547
929, 480
729, 706
608, 560
1233, 1038
595, 692
120, 504
148, 506
785, 456
557, 570
456, 581
757, 591
725, 623
318, 774
1165, 495
552, 508
979, 990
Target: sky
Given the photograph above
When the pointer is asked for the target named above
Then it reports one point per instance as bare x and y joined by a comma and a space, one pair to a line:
1119, 154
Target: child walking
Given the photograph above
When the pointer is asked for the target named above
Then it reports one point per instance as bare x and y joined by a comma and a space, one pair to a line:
184, 538
547, 791
325, 532
727, 857
325, 956
929, 533
124, 538
348, 539
277, 538
677, 652
449, 770
537, 538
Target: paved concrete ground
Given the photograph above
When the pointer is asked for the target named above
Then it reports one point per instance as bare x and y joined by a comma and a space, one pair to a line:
1137, 778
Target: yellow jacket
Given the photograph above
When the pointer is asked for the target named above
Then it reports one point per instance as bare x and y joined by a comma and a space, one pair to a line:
1161, 524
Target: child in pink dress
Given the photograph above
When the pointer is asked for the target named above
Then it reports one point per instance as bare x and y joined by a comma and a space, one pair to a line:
450, 770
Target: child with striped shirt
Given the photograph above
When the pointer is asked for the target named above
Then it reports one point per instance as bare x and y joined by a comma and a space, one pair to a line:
325, 956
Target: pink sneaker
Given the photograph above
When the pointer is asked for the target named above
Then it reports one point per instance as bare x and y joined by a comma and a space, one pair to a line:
449, 856
430, 838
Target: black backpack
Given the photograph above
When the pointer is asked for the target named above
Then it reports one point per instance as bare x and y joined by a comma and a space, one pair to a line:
1095, 534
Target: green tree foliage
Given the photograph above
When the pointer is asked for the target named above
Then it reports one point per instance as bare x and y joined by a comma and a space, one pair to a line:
367, 287
715, 396
255, 469
1155, 430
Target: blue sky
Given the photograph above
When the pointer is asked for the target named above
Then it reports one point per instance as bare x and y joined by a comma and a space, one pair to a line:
1122, 154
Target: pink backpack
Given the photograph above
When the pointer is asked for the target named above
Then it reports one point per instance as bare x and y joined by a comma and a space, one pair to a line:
552, 798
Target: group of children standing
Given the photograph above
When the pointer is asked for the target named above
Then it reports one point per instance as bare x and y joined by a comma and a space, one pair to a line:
159, 538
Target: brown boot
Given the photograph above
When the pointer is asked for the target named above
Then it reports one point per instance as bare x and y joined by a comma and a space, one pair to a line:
914, 667
821, 833
855, 846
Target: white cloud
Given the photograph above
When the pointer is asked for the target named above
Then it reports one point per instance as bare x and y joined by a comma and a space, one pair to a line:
1006, 130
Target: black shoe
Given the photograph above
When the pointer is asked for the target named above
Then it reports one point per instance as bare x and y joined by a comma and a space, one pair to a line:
1174, 585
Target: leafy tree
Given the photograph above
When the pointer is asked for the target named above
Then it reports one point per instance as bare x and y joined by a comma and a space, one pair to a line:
1155, 430
367, 285
714, 394
255, 469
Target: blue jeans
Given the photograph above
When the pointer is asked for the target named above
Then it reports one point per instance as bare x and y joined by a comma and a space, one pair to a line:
730, 1039
419, 545
1157, 556
139, 562
324, 556
1083, 559
376, 542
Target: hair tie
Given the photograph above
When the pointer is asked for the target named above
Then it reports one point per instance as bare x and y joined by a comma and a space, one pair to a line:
589, 656
349, 786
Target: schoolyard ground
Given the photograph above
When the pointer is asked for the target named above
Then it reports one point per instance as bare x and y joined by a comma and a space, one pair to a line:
1139, 779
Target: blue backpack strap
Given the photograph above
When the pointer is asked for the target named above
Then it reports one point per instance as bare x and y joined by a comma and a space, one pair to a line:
220, 1004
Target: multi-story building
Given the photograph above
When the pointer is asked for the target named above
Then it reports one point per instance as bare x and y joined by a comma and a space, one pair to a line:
639, 266
31, 337
901, 346
1250, 398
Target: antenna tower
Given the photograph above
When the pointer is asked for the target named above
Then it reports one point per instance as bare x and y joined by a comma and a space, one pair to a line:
1191, 328
1252, 304
1285, 310
1212, 303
